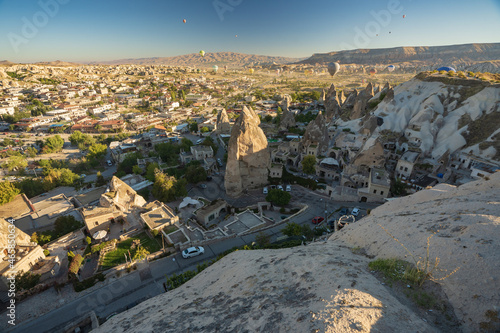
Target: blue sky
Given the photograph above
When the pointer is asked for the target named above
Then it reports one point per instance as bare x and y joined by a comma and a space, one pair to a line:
90, 30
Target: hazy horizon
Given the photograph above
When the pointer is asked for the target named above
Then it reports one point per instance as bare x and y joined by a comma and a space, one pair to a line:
72, 31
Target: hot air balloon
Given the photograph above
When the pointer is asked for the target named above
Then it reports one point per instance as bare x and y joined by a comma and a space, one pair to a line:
225, 68
202, 53
216, 68
373, 71
184, 20
333, 68
404, 16
446, 68
236, 36
250, 70
390, 68
278, 72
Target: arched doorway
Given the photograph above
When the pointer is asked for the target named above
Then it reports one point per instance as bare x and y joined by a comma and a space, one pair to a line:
363, 199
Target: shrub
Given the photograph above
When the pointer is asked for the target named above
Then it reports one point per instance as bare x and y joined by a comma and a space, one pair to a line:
88, 240
75, 264
155, 232
26, 280
46, 252
262, 239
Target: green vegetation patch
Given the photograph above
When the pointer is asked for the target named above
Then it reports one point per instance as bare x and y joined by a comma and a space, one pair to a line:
117, 256
397, 270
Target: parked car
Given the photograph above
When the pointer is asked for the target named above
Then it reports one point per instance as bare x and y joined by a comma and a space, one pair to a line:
219, 162
344, 211
288, 188
109, 163
273, 187
264, 190
203, 185
279, 187
317, 219
209, 177
192, 252
199, 141
355, 211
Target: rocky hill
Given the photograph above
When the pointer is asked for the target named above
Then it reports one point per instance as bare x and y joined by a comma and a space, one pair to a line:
483, 56
230, 59
328, 287
435, 113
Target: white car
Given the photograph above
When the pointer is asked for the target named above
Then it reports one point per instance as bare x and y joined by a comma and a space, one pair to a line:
109, 163
192, 252
355, 211
279, 187
199, 141
288, 188
264, 190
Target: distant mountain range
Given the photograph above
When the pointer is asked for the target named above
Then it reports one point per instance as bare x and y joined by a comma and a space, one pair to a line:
230, 59
464, 54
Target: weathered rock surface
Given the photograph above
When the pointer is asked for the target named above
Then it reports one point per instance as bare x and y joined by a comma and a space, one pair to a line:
317, 134
332, 105
287, 118
314, 288
223, 124
465, 221
361, 101
248, 155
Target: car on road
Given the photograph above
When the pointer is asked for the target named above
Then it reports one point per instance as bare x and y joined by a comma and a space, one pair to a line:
355, 211
192, 252
279, 187
209, 178
199, 141
317, 219
288, 188
109, 163
264, 190
219, 162
83, 175
203, 185
344, 211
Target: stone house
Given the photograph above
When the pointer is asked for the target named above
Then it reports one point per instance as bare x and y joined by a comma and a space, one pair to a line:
159, 216
210, 212
406, 163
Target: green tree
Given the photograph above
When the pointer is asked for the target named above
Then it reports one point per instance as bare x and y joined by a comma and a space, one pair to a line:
76, 138
53, 145
141, 253
195, 174
60, 177
309, 164
31, 152
7, 192
15, 163
263, 239
167, 188
31, 187
193, 127
150, 171
97, 151
278, 197
398, 187
136, 170
75, 265
100, 181
204, 129
34, 237
208, 141
186, 144
292, 229
88, 240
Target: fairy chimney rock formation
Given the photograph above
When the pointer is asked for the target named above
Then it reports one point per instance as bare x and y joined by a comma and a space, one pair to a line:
287, 118
361, 102
332, 105
316, 134
223, 125
248, 155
